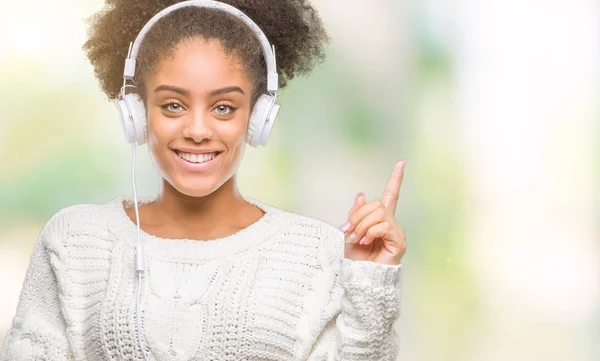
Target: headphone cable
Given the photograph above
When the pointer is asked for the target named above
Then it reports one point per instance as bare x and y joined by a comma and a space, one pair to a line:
139, 253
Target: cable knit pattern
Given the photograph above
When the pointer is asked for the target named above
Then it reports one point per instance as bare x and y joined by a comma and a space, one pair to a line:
278, 289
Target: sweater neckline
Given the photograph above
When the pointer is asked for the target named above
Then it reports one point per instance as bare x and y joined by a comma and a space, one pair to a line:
192, 249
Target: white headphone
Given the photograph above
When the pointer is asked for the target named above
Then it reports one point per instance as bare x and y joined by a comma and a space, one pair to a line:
131, 107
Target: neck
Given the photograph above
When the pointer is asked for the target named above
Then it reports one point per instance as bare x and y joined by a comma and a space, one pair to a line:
216, 213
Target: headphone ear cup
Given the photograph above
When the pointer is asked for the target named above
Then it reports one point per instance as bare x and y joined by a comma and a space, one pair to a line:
261, 120
270, 120
126, 120
133, 118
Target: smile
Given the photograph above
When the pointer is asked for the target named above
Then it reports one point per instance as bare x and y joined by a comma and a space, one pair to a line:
197, 158
196, 162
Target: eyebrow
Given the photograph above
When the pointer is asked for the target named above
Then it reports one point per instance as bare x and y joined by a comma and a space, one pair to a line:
184, 92
172, 88
228, 89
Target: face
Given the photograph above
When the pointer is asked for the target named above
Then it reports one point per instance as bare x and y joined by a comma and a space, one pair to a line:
197, 101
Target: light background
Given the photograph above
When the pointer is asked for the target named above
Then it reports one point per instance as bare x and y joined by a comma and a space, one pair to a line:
493, 103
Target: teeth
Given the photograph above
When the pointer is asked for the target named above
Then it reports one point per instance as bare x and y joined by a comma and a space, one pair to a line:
196, 158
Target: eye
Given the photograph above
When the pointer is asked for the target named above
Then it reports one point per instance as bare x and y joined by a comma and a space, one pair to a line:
224, 109
172, 107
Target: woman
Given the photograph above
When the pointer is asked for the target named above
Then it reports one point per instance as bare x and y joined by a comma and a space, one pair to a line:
225, 277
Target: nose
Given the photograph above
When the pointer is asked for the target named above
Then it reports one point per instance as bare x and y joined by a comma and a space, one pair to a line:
198, 127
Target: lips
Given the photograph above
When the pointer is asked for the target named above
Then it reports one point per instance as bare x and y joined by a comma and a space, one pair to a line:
196, 162
196, 151
197, 157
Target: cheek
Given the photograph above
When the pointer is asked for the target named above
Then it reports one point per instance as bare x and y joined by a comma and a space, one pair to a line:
161, 132
229, 131
159, 126
233, 131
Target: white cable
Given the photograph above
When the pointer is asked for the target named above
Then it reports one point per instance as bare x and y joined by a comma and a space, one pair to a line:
139, 254
138, 317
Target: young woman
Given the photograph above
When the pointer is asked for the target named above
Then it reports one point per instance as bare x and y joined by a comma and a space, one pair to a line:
200, 272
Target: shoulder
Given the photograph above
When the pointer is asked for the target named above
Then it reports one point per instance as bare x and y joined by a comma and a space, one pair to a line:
88, 218
309, 230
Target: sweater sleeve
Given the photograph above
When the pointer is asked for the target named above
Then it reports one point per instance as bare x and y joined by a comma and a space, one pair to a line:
38, 330
369, 305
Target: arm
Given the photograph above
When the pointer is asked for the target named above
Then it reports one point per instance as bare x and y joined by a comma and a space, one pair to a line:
369, 306
38, 330
371, 278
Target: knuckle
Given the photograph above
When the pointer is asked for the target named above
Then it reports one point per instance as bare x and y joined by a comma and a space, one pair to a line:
391, 194
359, 231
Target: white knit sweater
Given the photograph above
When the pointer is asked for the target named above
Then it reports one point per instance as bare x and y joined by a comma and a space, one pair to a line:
279, 289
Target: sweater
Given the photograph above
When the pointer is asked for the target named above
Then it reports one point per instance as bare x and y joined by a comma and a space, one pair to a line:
279, 289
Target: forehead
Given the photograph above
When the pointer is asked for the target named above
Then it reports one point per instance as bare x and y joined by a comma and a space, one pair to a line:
199, 66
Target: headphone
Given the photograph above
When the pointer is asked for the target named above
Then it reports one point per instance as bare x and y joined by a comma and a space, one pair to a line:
133, 113
131, 107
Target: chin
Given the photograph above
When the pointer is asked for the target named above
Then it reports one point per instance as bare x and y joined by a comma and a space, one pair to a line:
194, 187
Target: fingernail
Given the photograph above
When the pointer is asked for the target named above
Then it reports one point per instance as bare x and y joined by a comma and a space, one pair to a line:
350, 238
363, 240
345, 227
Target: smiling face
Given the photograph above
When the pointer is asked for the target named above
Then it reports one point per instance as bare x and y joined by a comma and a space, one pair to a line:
198, 101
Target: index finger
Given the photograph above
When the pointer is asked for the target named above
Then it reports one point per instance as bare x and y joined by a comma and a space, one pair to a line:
392, 190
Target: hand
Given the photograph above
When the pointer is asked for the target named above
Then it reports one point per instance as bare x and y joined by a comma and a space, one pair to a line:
372, 230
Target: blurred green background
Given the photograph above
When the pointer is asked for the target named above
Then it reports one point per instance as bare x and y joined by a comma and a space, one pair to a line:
493, 103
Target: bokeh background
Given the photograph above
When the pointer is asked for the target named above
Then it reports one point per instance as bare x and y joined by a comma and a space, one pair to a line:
493, 103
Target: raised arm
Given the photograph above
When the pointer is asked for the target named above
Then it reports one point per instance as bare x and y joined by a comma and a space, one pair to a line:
368, 249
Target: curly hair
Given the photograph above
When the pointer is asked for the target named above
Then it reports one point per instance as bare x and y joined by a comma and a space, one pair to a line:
292, 26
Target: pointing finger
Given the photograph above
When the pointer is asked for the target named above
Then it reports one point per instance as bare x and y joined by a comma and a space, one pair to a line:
392, 190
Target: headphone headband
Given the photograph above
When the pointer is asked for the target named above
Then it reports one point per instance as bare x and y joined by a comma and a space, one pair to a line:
267, 49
